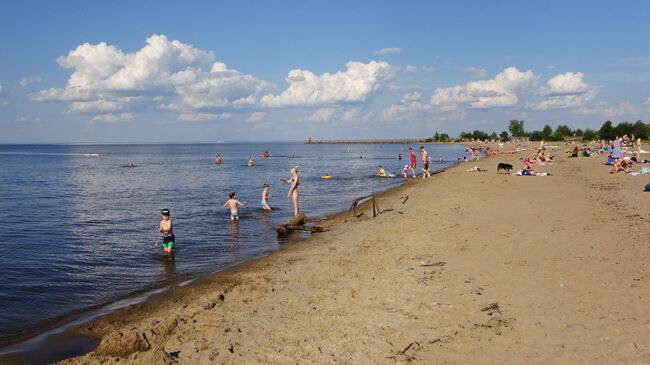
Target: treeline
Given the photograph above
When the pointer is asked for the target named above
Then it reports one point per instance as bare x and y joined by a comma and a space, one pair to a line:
562, 132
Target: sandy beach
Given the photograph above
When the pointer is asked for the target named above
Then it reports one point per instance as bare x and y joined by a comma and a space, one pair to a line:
474, 267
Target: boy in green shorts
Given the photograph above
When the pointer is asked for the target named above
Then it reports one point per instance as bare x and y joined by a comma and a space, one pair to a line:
167, 232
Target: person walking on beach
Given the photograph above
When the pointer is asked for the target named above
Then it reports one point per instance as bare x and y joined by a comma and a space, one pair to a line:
294, 181
233, 203
413, 161
424, 157
266, 196
167, 231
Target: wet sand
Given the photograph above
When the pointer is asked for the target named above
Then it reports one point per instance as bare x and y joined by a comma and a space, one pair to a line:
474, 267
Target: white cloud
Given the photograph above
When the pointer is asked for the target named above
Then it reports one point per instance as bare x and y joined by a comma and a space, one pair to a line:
567, 90
323, 115
501, 91
392, 50
256, 117
416, 69
29, 80
1, 89
164, 74
647, 102
203, 117
101, 106
21, 119
111, 118
567, 83
476, 71
355, 85
408, 108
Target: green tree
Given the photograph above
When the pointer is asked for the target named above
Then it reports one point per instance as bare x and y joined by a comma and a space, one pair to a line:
589, 135
624, 128
436, 137
535, 136
547, 132
606, 131
444, 137
516, 128
504, 136
493, 136
480, 135
578, 132
641, 130
564, 130
465, 135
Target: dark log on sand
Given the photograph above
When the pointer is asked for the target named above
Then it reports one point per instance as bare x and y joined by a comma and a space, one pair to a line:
291, 224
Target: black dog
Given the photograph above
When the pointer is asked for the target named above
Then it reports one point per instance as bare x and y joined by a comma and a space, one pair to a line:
504, 166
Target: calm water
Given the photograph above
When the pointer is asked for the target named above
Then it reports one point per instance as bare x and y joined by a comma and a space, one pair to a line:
80, 228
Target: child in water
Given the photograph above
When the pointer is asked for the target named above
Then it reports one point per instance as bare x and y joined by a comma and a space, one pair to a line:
265, 196
167, 232
233, 203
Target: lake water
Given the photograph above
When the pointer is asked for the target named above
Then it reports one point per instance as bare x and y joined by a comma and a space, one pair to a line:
80, 227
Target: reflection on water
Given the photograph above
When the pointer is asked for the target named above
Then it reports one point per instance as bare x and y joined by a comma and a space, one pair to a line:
80, 227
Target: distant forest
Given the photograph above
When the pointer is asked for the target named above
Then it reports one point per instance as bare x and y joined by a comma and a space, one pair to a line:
561, 133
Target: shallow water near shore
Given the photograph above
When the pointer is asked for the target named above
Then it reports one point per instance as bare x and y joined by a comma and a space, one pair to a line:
80, 225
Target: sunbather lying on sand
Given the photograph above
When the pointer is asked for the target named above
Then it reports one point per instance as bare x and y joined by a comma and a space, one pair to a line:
623, 165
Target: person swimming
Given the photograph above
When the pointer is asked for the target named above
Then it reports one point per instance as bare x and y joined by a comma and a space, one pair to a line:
250, 162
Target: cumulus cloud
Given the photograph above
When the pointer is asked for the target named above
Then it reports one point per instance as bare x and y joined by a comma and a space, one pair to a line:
203, 117
164, 73
323, 115
567, 90
111, 118
392, 50
256, 117
337, 116
29, 80
416, 69
476, 71
354, 85
408, 108
501, 91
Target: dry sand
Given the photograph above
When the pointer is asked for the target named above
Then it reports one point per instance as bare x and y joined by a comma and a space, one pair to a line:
474, 268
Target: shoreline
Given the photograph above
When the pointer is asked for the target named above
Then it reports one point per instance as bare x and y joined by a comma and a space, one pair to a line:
68, 325
256, 311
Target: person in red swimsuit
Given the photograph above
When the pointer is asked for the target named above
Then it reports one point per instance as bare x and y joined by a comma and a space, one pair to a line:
413, 162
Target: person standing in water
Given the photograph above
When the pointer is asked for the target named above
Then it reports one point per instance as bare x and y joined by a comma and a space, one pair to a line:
413, 162
266, 196
167, 231
233, 203
217, 160
294, 181
424, 157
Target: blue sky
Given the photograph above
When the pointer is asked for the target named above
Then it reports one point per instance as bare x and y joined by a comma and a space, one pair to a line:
148, 71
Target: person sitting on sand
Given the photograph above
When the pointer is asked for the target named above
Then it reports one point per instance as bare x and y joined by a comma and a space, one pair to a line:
294, 181
575, 152
167, 231
233, 203
266, 196
623, 165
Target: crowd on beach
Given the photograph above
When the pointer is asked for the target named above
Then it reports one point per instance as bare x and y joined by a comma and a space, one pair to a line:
622, 155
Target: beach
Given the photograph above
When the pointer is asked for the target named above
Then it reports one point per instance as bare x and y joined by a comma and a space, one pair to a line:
466, 267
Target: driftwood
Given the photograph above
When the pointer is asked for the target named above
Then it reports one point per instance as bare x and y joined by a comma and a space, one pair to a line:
375, 207
297, 223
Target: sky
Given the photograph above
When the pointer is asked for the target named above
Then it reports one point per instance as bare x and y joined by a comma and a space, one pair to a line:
208, 71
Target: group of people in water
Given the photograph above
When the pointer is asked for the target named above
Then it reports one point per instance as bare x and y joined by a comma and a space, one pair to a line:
425, 159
